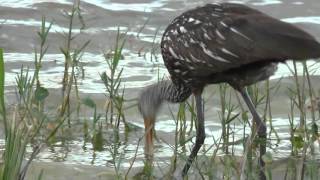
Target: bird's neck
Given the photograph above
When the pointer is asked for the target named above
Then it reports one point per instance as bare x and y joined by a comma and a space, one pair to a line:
172, 92
152, 97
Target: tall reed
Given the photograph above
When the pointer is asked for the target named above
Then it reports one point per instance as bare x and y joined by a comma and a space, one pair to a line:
27, 117
72, 62
112, 81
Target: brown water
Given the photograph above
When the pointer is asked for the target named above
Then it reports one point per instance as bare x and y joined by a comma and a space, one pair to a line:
22, 19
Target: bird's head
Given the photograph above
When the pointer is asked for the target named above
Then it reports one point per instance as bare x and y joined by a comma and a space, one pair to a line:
150, 101
152, 97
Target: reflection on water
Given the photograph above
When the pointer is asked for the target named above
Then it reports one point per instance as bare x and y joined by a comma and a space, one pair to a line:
266, 2
28, 3
149, 6
138, 71
81, 152
309, 19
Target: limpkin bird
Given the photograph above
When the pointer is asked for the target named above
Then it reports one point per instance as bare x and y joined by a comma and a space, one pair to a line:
221, 43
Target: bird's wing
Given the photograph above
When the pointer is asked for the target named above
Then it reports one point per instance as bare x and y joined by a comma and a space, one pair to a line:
222, 37
261, 37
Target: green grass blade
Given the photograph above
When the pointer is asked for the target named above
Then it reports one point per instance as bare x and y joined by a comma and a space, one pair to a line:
2, 79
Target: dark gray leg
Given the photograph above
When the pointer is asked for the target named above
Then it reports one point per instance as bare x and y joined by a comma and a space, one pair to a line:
262, 129
200, 133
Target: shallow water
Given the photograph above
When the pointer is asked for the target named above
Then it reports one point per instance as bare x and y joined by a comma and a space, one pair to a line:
21, 19
138, 69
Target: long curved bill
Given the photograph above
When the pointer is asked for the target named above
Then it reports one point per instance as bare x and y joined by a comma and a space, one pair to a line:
148, 147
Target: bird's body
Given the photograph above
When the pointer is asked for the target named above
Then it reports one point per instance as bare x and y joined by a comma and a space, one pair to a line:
204, 44
217, 43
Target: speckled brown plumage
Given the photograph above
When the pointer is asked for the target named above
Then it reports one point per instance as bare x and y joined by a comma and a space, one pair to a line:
218, 37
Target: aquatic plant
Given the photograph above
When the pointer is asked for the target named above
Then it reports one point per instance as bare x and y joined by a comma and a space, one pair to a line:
112, 80
72, 62
27, 117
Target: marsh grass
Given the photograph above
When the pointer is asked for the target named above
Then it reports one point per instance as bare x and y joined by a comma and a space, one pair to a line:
72, 63
96, 130
25, 126
112, 80
27, 117
3, 112
305, 134
182, 137
114, 108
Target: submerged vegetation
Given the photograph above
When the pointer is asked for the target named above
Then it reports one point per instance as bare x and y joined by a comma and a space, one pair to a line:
30, 124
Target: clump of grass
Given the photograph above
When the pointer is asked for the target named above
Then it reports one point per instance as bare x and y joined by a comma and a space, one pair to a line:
97, 137
28, 117
180, 135
303, 135
267, 112
15, 145
112, 81
3, 112
72, 63
227, 115
114, 109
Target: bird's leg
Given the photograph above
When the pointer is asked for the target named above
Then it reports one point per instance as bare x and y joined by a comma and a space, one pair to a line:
200, 132
262, 129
